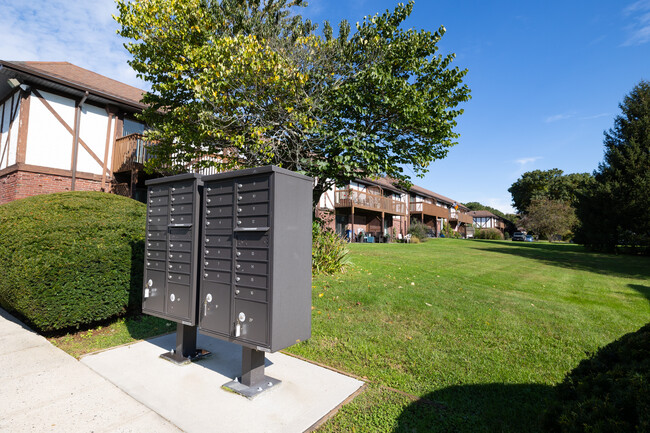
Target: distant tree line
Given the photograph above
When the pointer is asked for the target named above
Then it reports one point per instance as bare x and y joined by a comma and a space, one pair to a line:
608, 210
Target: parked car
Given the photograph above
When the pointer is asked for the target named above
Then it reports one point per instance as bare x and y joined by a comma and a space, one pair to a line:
519, 236
529, 238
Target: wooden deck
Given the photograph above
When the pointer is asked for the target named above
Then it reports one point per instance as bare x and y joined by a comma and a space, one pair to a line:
351, 198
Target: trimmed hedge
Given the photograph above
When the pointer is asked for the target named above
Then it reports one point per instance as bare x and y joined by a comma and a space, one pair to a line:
609, 392
71, 259
489, 233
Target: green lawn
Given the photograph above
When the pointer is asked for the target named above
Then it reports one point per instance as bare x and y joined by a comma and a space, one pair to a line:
453, 335
478, 330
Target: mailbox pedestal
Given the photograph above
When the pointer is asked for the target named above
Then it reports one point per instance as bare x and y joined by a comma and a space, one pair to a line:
252, 381
185, 350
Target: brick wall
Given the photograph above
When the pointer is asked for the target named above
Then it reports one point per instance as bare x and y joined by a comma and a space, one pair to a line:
21, 184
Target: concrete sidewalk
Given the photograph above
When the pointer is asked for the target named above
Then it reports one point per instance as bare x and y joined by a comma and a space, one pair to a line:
131, 389
43, 389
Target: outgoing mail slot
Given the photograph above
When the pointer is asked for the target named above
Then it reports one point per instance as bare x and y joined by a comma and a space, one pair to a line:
180, 234
253, 209
257, 268
252, 197
216, 276
253, 221
252, 254
253, 183
219, 200
255, 240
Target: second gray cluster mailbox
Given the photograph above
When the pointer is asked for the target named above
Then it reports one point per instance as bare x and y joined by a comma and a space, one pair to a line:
255, 273
231, 254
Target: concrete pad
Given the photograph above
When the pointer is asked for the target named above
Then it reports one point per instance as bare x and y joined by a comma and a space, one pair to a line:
191, 396
43, 389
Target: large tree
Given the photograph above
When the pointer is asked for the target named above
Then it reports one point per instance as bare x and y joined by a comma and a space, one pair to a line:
550, 219
616, 211
550, 184
251, 82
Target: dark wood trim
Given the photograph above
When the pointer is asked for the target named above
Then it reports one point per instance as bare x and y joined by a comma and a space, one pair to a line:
49, 171
75, 145
10, 95
23, 127
65, 125
12, 117
120, 126
108, 142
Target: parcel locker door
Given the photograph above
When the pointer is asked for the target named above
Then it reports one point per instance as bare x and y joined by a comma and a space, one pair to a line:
253, 321
154, 291
215, 308
178, 300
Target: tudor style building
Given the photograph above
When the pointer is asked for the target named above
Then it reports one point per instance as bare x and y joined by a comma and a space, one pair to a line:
64, 128
484, 219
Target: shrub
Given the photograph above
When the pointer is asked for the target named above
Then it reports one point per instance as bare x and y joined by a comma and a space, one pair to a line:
329, 251
418, 230
608, 392
489, 233
71, 259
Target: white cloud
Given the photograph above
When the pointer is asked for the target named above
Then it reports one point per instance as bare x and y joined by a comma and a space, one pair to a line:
639, 29
82, 33
504, 204
557, 117
529, 160
595, 116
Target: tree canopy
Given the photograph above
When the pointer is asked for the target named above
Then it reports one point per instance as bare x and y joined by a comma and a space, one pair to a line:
550, 184
550, 219
616, 210
239, 83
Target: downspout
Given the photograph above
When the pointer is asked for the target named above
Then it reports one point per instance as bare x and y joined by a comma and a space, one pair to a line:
76, 140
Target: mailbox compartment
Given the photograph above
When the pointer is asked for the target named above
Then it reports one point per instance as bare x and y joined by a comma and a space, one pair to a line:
172, 248
256, 258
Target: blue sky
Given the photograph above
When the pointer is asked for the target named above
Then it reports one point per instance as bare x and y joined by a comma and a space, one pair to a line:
546, 77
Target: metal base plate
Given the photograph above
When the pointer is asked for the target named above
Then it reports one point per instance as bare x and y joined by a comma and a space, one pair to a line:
254, 390
178, 359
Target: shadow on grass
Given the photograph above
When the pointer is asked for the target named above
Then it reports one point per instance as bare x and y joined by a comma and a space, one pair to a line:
478, 408
644, 290
573, 257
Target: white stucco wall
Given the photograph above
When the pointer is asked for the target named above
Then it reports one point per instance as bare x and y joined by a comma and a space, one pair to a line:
49, 144
9, 157
93, 132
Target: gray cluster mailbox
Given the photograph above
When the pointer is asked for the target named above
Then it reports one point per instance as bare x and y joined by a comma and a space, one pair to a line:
251, 275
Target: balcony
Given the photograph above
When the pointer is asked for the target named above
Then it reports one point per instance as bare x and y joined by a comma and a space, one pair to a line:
349, 198
130, 153
460, 217
429, 209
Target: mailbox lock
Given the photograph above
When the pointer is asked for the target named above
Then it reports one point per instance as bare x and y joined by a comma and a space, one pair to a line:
237, 292
150, 283
208, 223
238, 266
239, 209
171, 245
208, 297
173, 189
206, 263
170, 277
173, 209
239, 197
238, 222
209, 189
171, 266
173, 199
208, 212
172, 297
207, 240
205, 275
172, 219
239, 185
237, 279
242, 317
208, 200
238, 253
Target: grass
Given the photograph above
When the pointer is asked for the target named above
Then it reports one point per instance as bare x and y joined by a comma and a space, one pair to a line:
456, 335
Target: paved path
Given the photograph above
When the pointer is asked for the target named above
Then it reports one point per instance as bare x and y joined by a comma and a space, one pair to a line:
43, 389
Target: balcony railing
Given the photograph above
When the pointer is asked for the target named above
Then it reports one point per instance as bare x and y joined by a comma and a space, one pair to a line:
461, 217
429, 209
131, 153
369, 201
